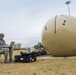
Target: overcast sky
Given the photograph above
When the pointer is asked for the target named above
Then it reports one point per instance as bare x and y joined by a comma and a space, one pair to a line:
22, 21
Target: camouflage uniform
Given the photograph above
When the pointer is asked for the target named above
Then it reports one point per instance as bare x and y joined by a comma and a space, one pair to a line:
4, 51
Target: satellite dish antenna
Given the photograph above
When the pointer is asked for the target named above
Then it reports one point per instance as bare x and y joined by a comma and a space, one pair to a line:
68, 2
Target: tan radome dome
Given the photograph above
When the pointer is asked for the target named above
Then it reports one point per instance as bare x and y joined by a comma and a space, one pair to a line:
59, 36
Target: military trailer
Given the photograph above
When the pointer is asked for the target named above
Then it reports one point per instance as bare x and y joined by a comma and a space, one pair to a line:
27, 56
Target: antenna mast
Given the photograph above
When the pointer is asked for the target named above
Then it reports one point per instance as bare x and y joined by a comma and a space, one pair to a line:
68, 2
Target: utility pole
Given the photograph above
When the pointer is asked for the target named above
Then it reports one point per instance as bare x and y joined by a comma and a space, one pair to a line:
68, 2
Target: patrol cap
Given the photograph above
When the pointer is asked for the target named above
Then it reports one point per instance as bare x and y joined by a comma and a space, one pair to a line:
1, 34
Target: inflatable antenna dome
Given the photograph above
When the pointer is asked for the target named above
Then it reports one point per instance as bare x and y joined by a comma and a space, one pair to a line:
59, 36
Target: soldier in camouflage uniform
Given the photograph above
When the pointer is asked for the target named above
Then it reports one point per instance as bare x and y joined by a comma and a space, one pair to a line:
3, 47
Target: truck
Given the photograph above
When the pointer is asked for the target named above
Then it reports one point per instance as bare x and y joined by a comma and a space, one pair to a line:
39, 49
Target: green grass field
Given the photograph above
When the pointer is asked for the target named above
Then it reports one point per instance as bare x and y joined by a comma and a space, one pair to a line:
40, 67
